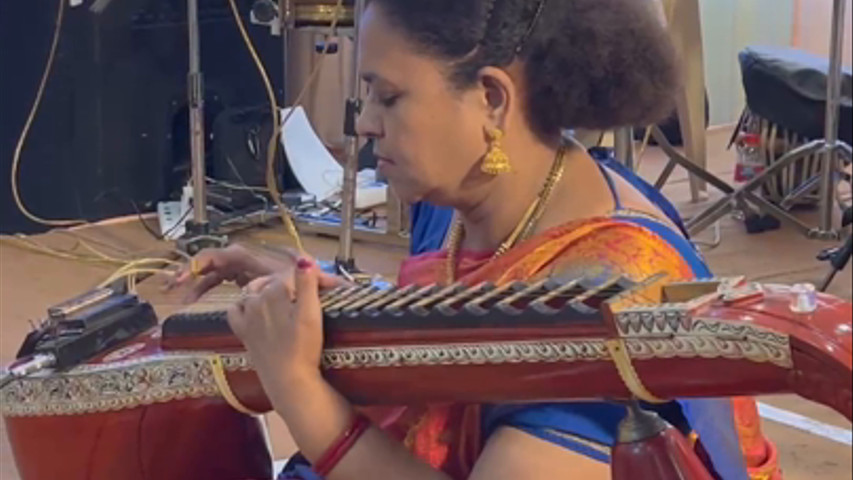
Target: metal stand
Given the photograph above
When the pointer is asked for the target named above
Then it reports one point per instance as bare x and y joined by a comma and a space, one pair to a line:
838, 261
396, 232
838, 258
830, 148
199, 234
623, 147
349, 186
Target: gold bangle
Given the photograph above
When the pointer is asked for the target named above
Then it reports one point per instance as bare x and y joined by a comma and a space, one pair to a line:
619, 355
225, 389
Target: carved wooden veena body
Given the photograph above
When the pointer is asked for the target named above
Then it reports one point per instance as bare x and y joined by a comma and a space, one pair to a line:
164, 405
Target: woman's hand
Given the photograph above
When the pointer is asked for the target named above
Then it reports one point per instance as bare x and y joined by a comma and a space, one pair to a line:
214, 266
232, 264
280, 322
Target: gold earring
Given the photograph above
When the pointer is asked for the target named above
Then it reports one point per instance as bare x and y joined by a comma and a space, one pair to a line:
496, 161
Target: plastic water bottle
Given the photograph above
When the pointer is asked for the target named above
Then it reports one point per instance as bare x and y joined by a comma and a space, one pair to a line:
750, 162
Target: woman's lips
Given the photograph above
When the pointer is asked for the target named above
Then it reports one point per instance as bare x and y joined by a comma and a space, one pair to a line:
380, 158
383, 163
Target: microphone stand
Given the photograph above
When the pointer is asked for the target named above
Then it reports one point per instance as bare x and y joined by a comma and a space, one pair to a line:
199, 234
345, 261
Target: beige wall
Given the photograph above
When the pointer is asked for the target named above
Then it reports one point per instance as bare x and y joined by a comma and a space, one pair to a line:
728, 26
812, 26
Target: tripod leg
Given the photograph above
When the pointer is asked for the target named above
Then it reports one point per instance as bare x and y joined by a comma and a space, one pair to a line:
680, 160
845, 152
839, 262
707, 217
824, 286
664, 176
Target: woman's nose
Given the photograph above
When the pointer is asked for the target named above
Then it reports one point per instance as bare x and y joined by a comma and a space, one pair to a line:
367, 124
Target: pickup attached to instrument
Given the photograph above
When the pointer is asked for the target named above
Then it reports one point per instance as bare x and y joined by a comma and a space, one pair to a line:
83, 328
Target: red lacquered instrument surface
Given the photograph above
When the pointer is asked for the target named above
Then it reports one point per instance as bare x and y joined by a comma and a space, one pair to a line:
156, 408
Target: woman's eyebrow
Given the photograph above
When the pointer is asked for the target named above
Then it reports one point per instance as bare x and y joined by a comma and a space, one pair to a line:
372, 78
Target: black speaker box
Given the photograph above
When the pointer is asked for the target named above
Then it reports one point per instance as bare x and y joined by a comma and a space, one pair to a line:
113, 127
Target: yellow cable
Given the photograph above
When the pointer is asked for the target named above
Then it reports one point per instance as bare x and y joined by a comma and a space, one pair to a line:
23, 242
125, 253
130, 277
624, 365
141, 266
219, 375
16, 159
97, 252
272, 184
128, 269
100, 257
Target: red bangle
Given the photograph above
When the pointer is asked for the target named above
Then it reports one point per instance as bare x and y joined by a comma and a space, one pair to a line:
339, 448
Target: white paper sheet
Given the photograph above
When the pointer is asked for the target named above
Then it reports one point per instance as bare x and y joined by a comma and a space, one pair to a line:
312, 163
317, 170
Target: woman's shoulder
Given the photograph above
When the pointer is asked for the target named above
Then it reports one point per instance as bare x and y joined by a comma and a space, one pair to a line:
595, 248
633, 247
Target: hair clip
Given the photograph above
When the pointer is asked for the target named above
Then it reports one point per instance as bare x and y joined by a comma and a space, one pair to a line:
530, 28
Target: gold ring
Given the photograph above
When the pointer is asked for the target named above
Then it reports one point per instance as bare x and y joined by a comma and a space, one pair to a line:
195, 270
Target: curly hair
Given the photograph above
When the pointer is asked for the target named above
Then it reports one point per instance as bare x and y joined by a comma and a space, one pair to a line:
593, 64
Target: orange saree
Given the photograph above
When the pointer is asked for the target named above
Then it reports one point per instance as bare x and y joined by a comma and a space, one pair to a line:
451, 437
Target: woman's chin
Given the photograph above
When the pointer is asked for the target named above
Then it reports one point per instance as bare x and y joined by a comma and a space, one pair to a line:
404, 192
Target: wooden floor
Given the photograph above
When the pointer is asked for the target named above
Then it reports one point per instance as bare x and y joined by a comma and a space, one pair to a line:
30, 282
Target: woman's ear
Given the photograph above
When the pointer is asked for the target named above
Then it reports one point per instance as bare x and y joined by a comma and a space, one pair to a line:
499, 95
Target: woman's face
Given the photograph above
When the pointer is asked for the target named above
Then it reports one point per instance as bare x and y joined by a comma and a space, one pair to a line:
429, 137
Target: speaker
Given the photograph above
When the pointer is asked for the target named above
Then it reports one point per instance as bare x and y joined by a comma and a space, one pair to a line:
113, 127
241, 139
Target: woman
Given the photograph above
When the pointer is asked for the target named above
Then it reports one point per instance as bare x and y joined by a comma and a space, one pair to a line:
467, 101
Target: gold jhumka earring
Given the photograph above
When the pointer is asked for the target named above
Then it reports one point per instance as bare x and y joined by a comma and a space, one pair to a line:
496, 161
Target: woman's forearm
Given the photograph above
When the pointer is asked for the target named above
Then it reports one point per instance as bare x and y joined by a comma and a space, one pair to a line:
316, 415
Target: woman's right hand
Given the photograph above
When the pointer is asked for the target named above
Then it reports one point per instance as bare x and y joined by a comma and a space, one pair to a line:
212, 267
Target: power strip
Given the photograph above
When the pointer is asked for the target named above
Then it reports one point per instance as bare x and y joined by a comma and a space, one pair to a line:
170, 214
173, 216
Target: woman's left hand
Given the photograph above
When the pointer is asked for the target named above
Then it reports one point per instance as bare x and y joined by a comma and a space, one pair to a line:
280, 322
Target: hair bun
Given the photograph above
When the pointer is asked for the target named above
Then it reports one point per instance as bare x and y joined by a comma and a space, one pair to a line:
599, 64
595, 64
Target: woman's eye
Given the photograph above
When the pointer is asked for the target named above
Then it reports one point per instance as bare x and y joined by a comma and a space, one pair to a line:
389, 101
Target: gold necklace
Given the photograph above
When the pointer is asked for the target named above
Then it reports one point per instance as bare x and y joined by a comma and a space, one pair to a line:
524, 228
